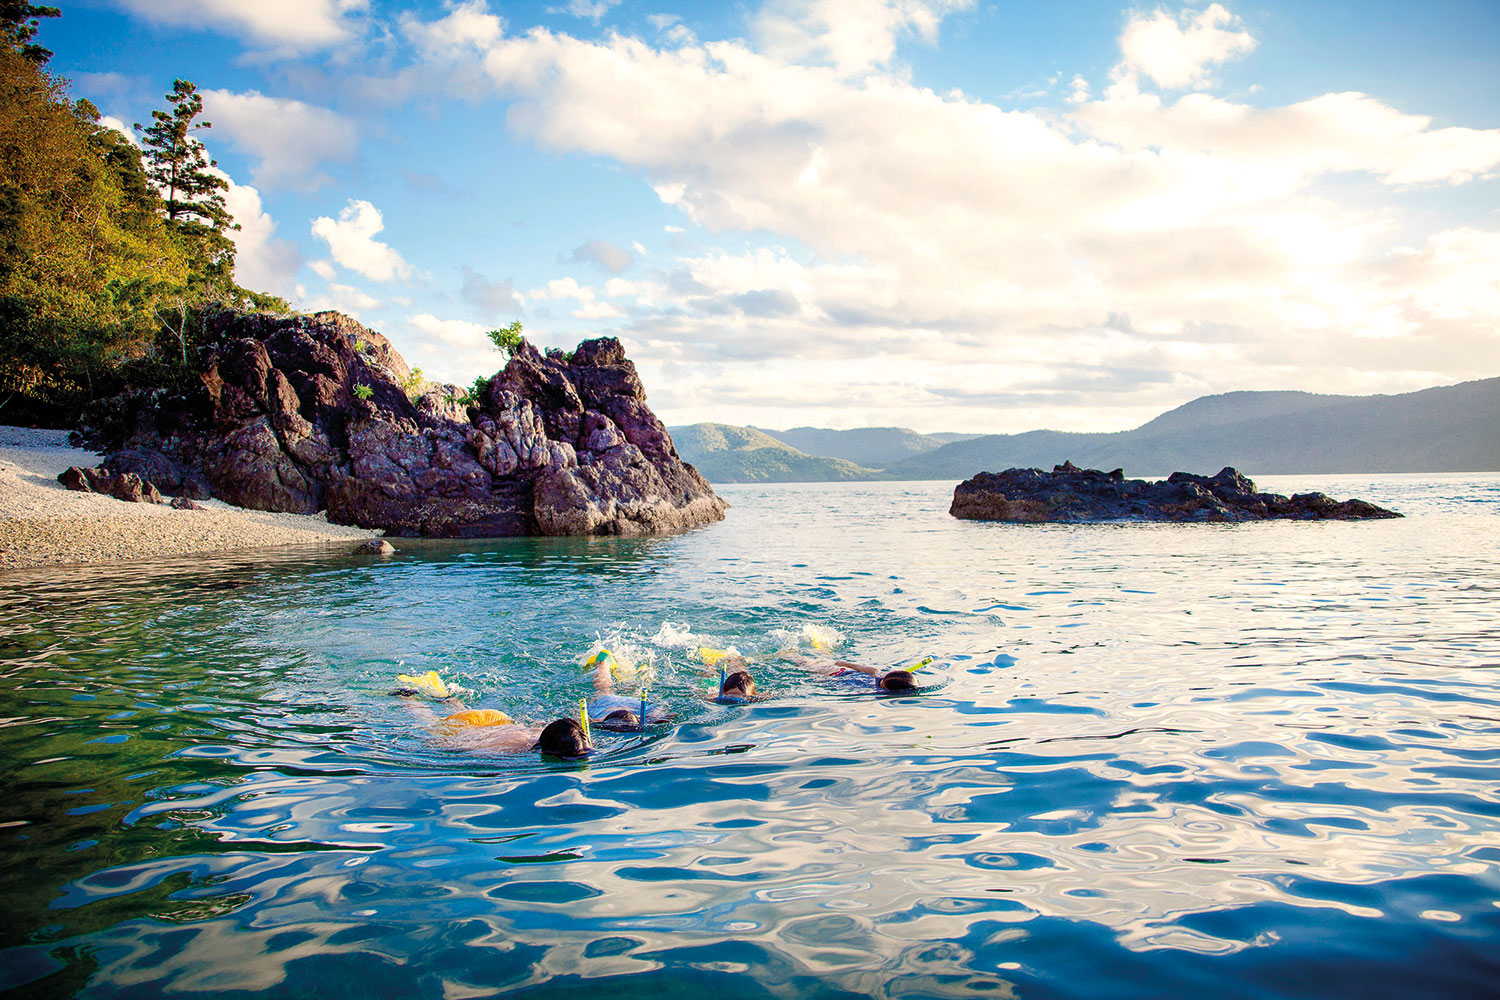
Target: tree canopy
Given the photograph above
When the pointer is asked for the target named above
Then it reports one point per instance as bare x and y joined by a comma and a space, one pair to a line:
106, 257
179, 165
18, 26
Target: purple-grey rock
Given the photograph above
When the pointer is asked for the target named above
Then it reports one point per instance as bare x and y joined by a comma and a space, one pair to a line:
557, 445
1071, 494
125, 486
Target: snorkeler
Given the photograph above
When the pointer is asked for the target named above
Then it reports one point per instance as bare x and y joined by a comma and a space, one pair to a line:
890, 682
491, 730
615, 712
736, 686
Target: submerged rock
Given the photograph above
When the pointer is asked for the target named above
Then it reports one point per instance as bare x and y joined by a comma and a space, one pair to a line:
1069, 493
303, 413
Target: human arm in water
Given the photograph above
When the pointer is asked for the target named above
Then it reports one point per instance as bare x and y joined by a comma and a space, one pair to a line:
900, 681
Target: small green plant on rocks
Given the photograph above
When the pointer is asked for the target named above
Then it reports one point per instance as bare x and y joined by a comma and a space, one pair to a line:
508, 339
363, 391
413, 384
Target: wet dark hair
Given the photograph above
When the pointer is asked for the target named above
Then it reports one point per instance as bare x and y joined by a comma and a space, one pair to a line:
898, 680
740, 681
620, 718
563, 738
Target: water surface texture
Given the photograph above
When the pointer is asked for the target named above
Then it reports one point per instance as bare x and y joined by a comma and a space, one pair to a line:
1252, 760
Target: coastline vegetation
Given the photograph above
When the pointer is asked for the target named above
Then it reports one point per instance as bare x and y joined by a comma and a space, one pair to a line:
109, 252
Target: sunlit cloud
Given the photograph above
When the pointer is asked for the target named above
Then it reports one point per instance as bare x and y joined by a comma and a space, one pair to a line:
351, 241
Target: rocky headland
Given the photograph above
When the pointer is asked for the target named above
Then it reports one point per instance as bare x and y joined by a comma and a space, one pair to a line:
302, 414
1069, 493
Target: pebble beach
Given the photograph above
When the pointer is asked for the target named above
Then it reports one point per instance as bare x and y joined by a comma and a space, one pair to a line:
42, 523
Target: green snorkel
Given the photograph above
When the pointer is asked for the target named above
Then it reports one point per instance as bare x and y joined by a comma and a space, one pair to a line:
583, 720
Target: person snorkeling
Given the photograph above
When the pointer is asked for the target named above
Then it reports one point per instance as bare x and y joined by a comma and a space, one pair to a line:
489, 730
889, 682
612, 711
736, 685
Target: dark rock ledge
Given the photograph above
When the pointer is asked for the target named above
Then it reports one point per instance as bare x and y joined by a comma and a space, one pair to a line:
1069, 493
307, 413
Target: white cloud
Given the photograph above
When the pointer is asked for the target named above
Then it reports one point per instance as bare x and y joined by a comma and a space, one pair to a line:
262, 262
295, 25
323, 269
1139, 250
591, 9
351, 241
467, 26
448, 350
851, 35
347, 299
1177, 51
110, 121
355, 297
563, 288
290, 139
455, 332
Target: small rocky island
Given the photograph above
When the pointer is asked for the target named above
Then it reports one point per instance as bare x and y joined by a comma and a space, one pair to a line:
1071, 494
308, 413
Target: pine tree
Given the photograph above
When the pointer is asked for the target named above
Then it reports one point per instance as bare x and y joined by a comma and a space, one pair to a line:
18, 24
178, 164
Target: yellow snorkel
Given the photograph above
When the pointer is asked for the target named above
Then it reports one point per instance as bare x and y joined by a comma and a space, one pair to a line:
923, 662
583, 720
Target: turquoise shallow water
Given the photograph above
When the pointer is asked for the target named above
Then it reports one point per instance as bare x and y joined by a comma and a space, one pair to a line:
1154, 760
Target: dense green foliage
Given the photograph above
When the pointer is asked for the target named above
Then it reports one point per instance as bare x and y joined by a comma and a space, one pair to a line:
507, 339
18, 24
102, 282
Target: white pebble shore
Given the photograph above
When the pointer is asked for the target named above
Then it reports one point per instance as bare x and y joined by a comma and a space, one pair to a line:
43, 523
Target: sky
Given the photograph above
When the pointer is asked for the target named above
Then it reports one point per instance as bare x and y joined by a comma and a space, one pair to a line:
982, 216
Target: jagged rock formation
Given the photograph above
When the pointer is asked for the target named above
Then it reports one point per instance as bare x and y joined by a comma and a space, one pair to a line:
305, 413
125, 486
1069, 493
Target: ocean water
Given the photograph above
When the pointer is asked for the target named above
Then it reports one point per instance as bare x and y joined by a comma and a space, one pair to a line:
1255, 761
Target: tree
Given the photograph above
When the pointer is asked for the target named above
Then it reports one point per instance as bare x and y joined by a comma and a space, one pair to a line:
18, 24
178, 164
84, 253
508, 339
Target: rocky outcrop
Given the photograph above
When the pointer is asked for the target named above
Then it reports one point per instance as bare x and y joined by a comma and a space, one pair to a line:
125, 486
1069, 493
306, 413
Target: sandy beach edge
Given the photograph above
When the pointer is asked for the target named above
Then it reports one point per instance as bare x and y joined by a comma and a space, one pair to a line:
44, 524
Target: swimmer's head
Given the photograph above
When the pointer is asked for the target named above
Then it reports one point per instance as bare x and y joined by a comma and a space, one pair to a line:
738, 685
620, 719
900, 681
563, 738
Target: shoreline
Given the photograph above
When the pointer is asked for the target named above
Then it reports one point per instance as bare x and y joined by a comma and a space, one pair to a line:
42, 523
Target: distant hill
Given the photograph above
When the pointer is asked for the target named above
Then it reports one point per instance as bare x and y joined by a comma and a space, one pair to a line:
1446, 429
873, 447
728, 454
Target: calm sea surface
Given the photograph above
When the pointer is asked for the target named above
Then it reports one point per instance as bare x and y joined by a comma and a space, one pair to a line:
1152, 761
